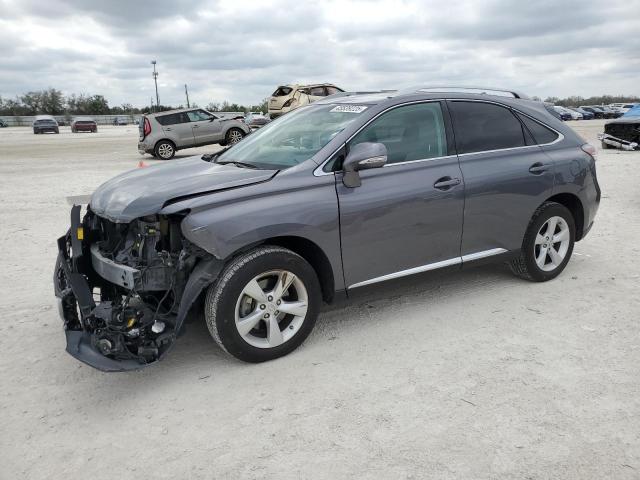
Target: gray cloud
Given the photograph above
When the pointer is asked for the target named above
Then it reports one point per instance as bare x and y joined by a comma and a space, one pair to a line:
241, 51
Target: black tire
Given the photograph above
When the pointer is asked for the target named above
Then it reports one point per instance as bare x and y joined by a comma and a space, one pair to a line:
35, 132
57, 131
164, 150
525, 265
233, 132
222, 297
606, 146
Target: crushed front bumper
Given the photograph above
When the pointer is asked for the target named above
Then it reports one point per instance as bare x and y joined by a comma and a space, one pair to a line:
617, 142
74, 279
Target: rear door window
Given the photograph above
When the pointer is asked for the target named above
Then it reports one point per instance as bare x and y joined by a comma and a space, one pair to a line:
333, 90
317, 92
172, 119
411, 132
540, 133
483, 126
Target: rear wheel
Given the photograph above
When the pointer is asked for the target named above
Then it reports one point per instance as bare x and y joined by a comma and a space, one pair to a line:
547, 245
264, 304
233, 136
165, 150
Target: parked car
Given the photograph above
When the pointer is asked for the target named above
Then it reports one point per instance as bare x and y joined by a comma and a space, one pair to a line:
45, 123
622, 107
563, 112
623, 132
163, 134
610, 112
550, 107
120, 121
84, 124
345, 193
3, 124
289, 97
585, 114
597, 112
256, 119
574, 115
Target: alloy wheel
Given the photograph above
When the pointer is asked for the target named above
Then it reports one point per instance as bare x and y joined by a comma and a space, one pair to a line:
552, 243
271, 309
165, 150
234, 137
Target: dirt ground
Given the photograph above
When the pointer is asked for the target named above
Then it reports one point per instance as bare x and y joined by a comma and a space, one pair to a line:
469, 375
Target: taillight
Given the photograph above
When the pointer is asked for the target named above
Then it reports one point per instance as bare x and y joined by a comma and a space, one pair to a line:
147, 127
590, 149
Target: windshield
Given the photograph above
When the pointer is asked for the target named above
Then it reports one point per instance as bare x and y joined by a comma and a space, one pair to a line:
293, 138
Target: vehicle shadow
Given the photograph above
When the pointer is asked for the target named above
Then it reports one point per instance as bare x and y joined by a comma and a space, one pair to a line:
196, 353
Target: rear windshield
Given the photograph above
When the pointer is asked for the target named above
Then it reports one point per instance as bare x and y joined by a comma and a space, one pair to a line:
282, 92
45, 120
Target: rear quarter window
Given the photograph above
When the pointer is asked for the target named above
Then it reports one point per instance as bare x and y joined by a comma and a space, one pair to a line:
540, 133
483, 126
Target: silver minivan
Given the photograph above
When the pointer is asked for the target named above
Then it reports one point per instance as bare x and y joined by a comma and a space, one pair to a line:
164, 133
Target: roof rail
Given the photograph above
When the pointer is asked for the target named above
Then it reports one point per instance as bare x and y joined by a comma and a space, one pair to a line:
351, 94
501, 92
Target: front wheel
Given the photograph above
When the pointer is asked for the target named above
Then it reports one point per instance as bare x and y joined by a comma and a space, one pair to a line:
547, 245
264, 304
233, 136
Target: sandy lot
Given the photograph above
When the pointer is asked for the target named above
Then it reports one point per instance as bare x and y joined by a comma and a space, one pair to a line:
468, 375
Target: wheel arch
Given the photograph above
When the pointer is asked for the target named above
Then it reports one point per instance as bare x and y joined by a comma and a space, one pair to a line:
313, 254
308, 250
574, 204
165, 139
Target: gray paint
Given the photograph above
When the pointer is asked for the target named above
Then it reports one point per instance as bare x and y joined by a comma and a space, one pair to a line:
145, 191
395, 221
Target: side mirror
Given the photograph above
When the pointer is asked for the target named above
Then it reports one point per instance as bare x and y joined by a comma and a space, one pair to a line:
362, 157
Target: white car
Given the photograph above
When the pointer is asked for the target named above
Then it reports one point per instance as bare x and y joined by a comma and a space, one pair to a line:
289, 97
622, 107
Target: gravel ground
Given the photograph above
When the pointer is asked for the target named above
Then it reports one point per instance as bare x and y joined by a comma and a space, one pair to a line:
468, 375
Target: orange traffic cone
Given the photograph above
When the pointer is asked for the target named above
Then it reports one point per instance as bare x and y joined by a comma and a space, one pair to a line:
141, 164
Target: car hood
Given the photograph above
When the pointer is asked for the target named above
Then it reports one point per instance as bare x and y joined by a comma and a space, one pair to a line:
145, 191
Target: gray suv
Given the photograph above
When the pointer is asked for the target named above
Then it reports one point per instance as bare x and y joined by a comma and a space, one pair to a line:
348, 192
164, 133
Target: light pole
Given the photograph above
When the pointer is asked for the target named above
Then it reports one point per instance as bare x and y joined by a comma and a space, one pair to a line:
155, 79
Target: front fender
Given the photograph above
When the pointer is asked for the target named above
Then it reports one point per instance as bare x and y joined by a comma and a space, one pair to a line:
293, 206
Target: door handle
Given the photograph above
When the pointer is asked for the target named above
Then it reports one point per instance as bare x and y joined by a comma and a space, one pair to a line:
168, 129
445, 183
195, 126
538, 168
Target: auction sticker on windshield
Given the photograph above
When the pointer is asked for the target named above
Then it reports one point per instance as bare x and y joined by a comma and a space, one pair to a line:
349, 108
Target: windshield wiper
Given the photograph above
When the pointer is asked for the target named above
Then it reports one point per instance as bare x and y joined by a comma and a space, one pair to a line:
212, 156
239, 164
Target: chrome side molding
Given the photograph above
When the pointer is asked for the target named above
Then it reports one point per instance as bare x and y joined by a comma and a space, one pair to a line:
431, 266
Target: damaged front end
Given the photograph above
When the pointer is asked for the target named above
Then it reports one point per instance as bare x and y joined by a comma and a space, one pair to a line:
125, 289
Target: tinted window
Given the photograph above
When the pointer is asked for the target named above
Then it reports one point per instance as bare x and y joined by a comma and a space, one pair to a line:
317, 92
485, 126
172, 119
412, 132
540, 133
333, 90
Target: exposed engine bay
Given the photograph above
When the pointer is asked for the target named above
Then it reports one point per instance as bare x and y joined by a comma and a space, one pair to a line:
121, 287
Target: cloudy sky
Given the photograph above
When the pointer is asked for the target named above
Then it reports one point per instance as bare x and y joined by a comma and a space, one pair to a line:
241, 50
